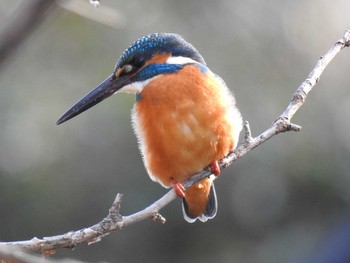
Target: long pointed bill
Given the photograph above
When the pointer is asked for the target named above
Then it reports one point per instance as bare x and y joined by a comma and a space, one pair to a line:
106, 89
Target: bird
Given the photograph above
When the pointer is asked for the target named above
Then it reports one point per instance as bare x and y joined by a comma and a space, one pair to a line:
184, 116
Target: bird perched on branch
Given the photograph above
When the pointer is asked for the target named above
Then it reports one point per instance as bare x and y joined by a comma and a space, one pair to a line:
184, 116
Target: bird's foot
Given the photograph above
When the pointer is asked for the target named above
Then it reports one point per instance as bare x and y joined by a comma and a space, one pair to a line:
215, 168
179, 188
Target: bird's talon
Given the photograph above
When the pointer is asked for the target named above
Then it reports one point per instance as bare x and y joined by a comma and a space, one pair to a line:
215, 168
179, 189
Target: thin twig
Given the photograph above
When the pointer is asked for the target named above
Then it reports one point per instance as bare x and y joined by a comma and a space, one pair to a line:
115, 221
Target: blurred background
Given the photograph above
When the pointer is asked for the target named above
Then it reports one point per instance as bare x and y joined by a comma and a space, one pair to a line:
286, 201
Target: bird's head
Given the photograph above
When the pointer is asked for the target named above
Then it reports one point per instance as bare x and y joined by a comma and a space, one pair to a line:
148, 57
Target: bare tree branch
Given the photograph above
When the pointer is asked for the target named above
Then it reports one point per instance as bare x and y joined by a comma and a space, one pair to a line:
115, 220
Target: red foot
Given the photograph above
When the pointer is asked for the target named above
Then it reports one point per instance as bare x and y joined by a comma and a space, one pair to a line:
215, 168
179, 188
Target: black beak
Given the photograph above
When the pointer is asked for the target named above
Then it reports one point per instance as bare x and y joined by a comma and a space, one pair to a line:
106, 89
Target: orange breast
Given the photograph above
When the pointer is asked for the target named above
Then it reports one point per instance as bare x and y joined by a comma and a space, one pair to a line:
185, 121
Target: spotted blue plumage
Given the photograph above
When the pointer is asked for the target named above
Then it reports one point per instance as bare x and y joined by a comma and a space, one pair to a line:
149, 45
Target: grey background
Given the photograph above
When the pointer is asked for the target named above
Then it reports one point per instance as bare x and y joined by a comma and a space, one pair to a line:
286, 201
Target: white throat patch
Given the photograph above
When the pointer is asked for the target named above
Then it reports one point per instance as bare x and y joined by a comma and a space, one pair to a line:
135, 87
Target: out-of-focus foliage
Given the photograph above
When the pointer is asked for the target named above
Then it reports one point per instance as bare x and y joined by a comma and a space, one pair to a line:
280, 203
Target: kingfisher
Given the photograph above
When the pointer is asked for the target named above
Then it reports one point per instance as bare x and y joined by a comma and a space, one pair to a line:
184, 116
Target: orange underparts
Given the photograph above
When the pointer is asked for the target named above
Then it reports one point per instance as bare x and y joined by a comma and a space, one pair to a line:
181, 124
183, 121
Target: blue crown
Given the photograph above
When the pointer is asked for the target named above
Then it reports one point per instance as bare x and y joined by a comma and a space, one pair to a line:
152, 44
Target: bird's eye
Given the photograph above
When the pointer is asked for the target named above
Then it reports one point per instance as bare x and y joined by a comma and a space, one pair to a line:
139, 61
134, 65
